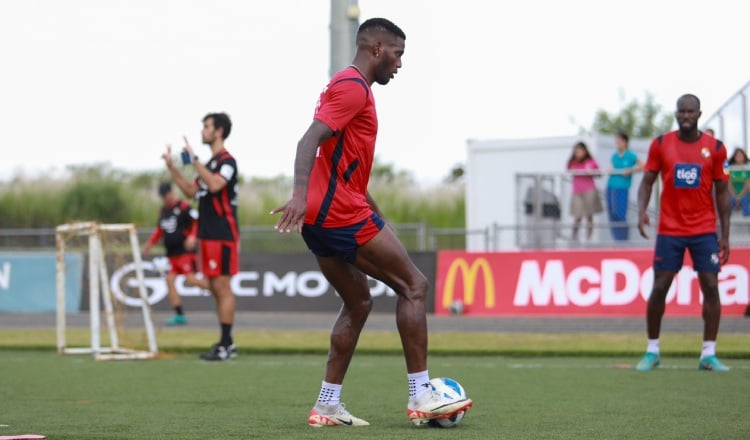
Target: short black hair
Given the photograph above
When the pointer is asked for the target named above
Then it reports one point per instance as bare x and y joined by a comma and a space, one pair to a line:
382, 24
164, 188
624, 136
689, 96
221, 120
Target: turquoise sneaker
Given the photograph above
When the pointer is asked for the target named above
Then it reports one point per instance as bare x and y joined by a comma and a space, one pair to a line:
648, 362
177, 320
712, 363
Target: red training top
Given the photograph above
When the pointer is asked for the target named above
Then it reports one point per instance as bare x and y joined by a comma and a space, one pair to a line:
337, 191
688, 171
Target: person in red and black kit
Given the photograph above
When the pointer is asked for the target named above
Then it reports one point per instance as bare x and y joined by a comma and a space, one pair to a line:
218, 230
178, 226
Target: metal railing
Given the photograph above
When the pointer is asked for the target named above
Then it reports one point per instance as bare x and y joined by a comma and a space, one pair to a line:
417, 237
414, 236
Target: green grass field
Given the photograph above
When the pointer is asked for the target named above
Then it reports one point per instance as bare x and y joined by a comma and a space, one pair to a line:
191, 340
269, 395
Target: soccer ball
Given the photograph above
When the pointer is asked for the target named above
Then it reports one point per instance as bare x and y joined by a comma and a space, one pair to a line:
457, 307
450, 388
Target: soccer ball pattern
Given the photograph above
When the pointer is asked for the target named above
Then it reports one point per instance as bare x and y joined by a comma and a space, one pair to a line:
450, 388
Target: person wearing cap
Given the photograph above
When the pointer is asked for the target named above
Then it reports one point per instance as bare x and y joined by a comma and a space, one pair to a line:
178, 226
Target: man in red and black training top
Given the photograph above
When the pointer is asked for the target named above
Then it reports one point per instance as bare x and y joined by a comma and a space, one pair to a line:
218, 230
178, 226
693, 166
345, 230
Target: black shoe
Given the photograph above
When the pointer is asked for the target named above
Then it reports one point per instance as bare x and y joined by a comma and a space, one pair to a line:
219, 352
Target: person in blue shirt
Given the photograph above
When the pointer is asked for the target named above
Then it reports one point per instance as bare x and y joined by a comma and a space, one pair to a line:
623, 164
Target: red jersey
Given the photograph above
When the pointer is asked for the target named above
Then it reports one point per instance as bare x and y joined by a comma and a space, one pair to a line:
688, 171
337, 191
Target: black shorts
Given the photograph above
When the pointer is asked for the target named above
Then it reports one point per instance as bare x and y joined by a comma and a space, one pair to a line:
341, 242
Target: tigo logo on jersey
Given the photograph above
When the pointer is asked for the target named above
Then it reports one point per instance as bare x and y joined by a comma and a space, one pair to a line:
687, 175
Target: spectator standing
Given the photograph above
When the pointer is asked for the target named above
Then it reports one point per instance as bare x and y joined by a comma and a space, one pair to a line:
623, 164
739, 179
585, 201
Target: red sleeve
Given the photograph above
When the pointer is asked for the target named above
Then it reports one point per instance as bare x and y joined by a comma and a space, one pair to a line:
193, 230
653, 162
341, 102
721, 166
155, 236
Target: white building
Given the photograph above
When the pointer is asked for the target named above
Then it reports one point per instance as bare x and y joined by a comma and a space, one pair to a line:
500, 173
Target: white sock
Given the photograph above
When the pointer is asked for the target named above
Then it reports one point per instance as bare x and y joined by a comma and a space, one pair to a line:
330, 393
419, 383
709, 349
653, 346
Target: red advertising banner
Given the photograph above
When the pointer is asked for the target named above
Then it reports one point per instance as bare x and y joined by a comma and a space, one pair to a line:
576, 283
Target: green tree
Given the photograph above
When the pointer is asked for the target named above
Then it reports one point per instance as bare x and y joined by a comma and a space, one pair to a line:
638, 119
386, 173
456, 174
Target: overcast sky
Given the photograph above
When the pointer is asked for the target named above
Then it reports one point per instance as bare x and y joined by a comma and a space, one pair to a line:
90, 81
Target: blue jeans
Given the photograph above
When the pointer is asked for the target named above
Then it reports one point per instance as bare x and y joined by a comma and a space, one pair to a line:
617, 207
744, 204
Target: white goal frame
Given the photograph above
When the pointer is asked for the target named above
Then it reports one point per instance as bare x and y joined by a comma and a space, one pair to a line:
99, 290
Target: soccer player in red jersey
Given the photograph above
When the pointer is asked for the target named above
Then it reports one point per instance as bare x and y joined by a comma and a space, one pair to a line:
693, 167
346, 231
218, 230
178, 226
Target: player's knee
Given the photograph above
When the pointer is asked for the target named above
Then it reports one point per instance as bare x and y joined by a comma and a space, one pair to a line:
658, 294
709, 286
418, 288
360, 309
365, 306
710, 293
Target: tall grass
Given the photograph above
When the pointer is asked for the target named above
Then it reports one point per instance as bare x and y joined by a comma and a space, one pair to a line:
30, 204
102, 193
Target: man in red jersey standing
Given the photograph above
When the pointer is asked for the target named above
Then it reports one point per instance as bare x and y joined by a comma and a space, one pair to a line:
218, 230
345, 230
693, 167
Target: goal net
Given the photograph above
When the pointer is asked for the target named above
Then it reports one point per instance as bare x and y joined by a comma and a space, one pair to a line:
106, 245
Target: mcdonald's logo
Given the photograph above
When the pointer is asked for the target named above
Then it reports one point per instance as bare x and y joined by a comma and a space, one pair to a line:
469, 274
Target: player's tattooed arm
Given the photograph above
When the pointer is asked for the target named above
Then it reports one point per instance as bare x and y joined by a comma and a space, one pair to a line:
307, 150
293, 211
